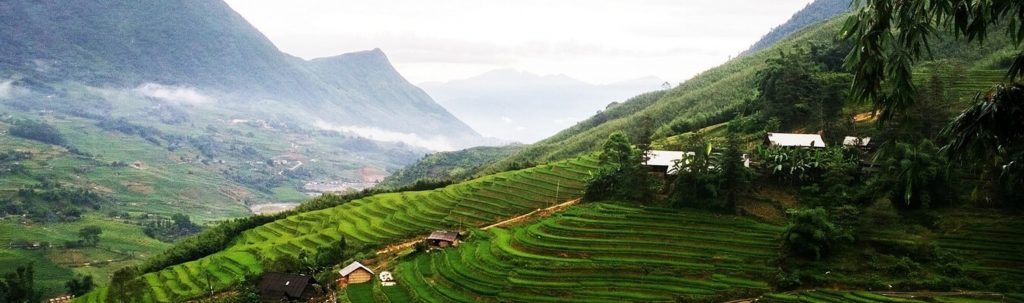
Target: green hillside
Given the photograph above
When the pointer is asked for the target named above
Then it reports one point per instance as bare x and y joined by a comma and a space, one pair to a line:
369, 223
714, 96
602, 253
451, 166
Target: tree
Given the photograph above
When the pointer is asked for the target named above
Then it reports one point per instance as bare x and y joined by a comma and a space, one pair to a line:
794, 89
992, 128
90, 234
623, 175
735, 176
811, 234
915, 176
126, 285
705, 178
37, 130
80, 285
19, 286
890, 36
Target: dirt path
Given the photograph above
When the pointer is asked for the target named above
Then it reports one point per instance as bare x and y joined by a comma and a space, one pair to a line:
533, 214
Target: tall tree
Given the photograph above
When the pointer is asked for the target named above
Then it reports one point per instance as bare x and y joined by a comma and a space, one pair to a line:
891, 36
78, 286
90, 234
623, 177
19, 286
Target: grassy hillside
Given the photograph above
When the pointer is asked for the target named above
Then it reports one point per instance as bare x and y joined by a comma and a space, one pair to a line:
619, 252
370, 223
715, 95
451, 166
602, 253
205, 166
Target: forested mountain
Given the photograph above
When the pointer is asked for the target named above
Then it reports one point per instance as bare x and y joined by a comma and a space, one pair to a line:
205, 45
523, 107
716, 95
453, 166
815, 12
129, 116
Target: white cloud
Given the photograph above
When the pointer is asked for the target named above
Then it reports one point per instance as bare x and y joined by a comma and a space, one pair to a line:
9, 90
598, 41
6, 89
506, 119
173, 94
373, 133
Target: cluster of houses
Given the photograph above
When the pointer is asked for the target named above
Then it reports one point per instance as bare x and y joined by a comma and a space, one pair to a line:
285, 287
664, 161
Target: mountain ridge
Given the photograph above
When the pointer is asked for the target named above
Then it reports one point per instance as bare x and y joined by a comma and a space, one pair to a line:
209, 46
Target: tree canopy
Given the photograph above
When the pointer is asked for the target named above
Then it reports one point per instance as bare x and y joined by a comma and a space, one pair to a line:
891, 36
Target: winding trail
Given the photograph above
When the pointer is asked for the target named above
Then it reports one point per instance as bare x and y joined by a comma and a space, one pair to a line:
541, 212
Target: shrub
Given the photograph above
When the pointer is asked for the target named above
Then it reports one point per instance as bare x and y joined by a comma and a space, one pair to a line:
37, 130
811, 234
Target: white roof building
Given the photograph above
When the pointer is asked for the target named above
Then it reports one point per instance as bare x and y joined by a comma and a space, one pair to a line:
855, 141
666, 158
795, 140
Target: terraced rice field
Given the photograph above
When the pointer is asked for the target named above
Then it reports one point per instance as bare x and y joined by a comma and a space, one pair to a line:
372, 222
831, 296
992, 249
601, 253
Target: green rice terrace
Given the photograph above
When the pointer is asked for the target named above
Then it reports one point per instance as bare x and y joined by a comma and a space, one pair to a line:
371, 222
602, 253
818, 296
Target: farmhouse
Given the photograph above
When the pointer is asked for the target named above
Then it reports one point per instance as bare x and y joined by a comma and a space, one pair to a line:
663, 161
794, 140
443, 238
355, 273
282, 287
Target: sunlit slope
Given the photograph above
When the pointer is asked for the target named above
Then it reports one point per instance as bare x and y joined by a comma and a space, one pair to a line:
602, 253
372, 222
722, 90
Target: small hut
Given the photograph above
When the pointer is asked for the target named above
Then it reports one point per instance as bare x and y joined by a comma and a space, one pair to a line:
282, 287
355, 273
442, 239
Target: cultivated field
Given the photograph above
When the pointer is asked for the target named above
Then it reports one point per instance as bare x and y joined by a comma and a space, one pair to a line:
371, 222
602, 253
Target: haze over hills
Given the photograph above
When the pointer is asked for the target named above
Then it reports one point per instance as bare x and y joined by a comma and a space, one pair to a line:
523, 107
150, 109
206, 46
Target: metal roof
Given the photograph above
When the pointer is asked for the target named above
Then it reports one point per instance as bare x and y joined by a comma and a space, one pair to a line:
449, 236
353, 267
795, 140
290, 284
663, 157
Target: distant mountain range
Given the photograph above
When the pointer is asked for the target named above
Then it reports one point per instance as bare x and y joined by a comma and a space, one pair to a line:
817, 11
524, 107
204, 45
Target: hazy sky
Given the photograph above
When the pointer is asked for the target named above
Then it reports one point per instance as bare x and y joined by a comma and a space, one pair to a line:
598, 41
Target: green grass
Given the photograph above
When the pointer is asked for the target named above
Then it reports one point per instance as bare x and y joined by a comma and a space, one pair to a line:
832, 296
372, 222
288, 193
360, 293
125, 244
601, 253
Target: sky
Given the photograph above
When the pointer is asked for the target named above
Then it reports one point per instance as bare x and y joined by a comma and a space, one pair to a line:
598, 41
